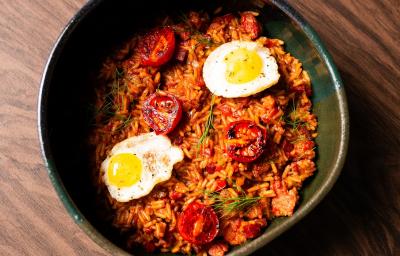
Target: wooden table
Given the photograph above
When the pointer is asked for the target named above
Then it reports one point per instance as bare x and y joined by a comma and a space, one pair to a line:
360, 216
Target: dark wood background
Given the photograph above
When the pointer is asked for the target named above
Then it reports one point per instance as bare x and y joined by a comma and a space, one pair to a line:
360, 216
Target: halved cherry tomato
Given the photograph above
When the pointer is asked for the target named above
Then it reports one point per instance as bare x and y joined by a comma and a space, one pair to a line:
162, 112
245, 141
157, 47
198, 224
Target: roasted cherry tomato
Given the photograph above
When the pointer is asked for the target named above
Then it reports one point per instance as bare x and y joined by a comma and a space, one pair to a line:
198, 224
162, 112
157, 47
245, 141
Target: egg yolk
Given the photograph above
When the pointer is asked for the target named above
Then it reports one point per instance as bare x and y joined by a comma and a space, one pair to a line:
124, 170
242, 66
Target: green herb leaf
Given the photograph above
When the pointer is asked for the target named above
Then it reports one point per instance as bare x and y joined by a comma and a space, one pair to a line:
119, 73
303, 154
109, 107
185, 19
208, 125
195, 33
292, 119
125, 122
231, 205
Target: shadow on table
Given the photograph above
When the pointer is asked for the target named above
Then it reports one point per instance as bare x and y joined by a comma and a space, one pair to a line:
361, 214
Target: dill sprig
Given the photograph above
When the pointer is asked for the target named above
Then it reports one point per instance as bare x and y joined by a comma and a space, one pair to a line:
299, 139
118, 73
111, 106
185, 19
195, 33
116, 86
209, 124
292, 119
232, 205
304, 153
199, 37
106, 109
293, 123
125, 122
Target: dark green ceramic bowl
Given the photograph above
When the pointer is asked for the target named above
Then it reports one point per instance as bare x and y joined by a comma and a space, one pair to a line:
66, 93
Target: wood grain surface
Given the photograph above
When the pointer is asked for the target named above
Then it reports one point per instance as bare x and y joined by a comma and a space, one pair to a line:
360, 216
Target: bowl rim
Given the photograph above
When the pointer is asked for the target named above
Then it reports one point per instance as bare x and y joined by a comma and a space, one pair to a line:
247, 248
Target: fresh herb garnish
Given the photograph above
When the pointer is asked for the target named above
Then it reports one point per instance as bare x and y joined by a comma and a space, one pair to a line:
195, 33
110, 107
185, 19
304, 153
292, 118
300, 138
106, 110
230, 205
126, 121
203, 39
208, 125
118, 73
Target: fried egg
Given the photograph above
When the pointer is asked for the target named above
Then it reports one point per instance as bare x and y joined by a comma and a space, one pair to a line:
240, 69
135, 165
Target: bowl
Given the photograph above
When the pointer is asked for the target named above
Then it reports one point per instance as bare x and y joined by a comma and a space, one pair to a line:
65, 94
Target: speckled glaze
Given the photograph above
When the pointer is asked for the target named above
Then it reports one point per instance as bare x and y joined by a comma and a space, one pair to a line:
60, 120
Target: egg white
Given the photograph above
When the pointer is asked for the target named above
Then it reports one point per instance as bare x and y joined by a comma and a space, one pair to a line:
157, 156
214, 70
